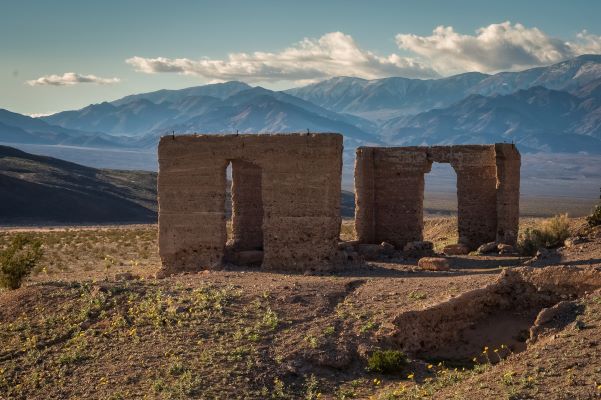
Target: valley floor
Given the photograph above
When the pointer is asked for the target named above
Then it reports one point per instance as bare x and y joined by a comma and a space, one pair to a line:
92, 322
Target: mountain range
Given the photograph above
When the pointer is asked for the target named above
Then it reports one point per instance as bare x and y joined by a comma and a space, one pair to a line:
553, 109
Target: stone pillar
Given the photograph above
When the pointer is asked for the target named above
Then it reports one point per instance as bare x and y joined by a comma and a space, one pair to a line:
247, 206
476, 193
389, 189
301, 200
399, 194
508, 192
192, 226
364, 195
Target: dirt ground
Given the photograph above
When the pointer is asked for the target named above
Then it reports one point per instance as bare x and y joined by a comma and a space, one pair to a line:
81, 328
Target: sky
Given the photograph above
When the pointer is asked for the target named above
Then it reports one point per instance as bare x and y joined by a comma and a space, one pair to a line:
59, 55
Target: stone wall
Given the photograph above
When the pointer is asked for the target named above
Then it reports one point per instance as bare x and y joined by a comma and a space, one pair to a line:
285, 199
389, 190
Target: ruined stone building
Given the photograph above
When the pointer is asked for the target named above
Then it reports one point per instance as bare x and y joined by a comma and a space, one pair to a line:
389, 192
285, 200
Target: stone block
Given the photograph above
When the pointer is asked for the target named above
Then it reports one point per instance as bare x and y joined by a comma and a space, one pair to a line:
433, 264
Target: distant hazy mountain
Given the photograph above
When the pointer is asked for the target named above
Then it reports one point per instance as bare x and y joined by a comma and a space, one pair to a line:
249, 110
141, 113
537, 119
217, 90
381, 99
37, 189
569, 75
18, 128
553, 108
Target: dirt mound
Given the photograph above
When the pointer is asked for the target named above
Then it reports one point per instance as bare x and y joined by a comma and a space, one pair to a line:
498, 316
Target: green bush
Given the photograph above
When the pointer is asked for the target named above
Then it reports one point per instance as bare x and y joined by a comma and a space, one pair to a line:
595, 218
386, 361
551, 233
18, 260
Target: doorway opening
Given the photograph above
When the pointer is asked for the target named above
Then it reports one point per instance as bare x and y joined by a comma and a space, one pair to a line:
245, 227
440, 206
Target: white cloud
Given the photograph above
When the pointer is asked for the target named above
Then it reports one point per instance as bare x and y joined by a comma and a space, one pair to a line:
333, 54
497, 47
70, 78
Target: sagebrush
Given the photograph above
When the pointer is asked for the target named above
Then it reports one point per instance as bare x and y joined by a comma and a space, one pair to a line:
387, 361
550, 233
18, 260
595, 218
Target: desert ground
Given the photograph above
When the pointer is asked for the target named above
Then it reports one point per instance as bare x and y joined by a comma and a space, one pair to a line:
93, 322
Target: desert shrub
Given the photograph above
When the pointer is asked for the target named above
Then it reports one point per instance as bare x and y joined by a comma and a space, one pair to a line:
18, 260
595, 218
387, 361
551, 233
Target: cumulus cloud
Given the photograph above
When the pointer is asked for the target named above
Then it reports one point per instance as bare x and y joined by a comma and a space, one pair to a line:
333, 54
69, 79
497, 47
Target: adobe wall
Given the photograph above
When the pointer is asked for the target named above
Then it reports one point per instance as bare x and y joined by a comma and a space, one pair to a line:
298, 177
389, 194
508, 192
389, 191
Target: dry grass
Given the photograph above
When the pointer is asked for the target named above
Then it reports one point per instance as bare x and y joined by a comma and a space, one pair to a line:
75, 332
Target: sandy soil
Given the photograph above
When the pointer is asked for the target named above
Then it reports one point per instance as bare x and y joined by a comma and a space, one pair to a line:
80, 330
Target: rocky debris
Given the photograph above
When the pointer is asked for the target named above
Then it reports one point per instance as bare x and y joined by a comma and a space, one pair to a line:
369, 251
419, 249
506, 249
595, 232
487, 248
462, 326
554, 318
126, 276
387, 248
456, 249
348, 246
571, 242
433, 264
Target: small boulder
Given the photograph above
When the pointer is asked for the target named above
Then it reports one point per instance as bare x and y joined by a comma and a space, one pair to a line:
386, 248
369, 251
456, 249
433, 264
487, 248
419, 249
571, 242
126, 276
506, 249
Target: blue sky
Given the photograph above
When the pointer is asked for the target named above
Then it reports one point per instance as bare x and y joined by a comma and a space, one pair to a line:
115, 48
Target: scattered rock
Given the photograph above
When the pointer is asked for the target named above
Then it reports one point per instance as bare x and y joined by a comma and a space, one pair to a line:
419, 249
571, 242
369, 251
456, 249
386, 248
487, 248
126, 276
433, 264
347, 246
506, 249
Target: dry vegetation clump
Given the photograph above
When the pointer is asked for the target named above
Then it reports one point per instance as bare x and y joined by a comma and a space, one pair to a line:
550, 233
18, 260
595, 218
387, 361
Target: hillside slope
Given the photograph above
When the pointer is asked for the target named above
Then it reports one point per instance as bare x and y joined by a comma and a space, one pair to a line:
38, 189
